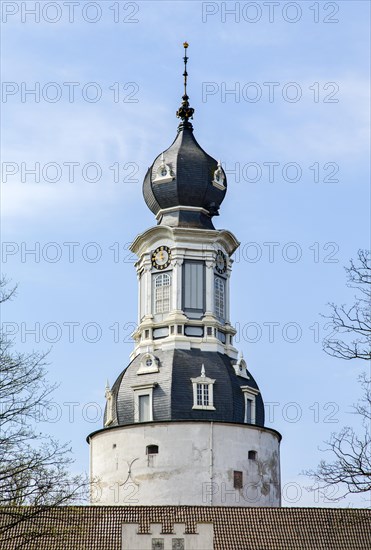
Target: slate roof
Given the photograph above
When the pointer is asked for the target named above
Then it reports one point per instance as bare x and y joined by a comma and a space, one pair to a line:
193, 171
173, 396
100, 528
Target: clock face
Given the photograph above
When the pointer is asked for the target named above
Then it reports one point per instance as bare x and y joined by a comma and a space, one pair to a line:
221, 262
161, 257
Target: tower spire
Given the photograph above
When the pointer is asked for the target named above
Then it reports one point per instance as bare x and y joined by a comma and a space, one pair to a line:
185, 112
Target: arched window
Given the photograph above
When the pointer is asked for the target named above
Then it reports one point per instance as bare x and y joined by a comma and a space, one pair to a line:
219, 297
162, 293
152, 449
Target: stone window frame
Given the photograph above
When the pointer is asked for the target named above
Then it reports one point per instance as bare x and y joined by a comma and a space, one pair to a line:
204, 381
250, 394
156, 301
219, 297
145, 367
139, 390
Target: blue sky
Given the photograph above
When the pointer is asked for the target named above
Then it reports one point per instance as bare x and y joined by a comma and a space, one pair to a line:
299, 106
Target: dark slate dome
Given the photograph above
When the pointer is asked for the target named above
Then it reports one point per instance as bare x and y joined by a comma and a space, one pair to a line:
193, 184
173, 391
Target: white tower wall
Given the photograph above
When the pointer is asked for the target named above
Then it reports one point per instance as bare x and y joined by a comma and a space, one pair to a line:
195, 465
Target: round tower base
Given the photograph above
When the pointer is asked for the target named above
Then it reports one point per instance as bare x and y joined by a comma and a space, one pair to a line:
185, 463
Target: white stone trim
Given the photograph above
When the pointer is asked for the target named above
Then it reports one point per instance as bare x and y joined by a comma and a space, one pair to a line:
180, 207
143, 389
147, 369
250, 394
205, 381
219, 178
241, 368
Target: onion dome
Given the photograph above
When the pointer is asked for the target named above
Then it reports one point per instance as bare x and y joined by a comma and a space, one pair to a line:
185, 186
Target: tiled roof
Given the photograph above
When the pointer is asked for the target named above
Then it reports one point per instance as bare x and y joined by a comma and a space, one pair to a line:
100, 528
193, 170
173, 397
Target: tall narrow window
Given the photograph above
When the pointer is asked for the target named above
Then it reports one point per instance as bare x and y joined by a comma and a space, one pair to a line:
194, 289
248, 413
237, 480
203, 395
143, 401
144, 411
162, 285
250, 395
219, 297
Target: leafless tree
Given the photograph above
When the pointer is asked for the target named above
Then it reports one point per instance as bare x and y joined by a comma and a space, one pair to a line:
350, 469
34, 466
351, 336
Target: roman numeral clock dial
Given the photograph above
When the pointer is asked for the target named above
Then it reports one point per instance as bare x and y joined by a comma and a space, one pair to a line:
221, 262
161, 257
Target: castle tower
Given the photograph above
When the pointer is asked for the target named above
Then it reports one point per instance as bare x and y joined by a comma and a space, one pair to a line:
184, 422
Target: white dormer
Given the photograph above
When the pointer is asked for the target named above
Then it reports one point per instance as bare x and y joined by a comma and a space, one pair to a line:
241, 368
149, 364
219, 177
163, 173
203, 395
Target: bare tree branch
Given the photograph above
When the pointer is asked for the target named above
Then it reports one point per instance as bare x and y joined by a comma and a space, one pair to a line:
351, 336
34, 466
351, 468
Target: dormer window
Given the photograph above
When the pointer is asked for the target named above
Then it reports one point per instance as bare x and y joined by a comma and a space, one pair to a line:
163, 173
143, 402
250, 404
241, 368
219, 178
149, 364
203, 396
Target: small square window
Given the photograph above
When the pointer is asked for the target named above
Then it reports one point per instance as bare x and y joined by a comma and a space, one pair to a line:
237, 480
158, 544
146, 334
252, 455
177, 544
152, 449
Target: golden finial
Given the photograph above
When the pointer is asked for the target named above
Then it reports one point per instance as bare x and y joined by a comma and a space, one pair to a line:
185, 112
